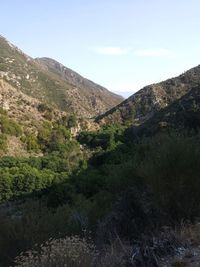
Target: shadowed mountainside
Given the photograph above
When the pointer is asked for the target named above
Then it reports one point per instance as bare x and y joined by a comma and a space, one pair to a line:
182, 114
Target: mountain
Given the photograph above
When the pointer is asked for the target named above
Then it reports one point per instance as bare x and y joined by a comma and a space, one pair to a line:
24, 109
54, 184
52, 83
98, 97
183, 114
22, 117
142, 105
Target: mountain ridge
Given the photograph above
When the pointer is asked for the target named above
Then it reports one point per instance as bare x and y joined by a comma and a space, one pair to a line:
182, 115
35, 79
142, 105
88, 87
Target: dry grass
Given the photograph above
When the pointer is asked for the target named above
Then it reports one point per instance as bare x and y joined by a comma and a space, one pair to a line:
169, 247
69, 252
116, 254
179, 264
188, 251
191, 234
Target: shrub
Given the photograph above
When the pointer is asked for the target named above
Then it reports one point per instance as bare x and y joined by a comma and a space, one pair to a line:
5, 186
44, 133
3, 111
31, 142
9, 126
106, 138
42, 107
3, 142
51, 137
24, 224
171, 168
68, 251
72, 121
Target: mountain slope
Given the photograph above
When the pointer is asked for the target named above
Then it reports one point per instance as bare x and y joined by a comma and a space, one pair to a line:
22, 117
97, 96
35, 78
26, 110
145, 103
183, 114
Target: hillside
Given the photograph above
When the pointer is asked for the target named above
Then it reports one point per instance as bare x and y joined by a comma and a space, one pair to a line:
98, 97
145, 103
77, 193
183, 114
23, 117
26, 110
20, 111
53, 85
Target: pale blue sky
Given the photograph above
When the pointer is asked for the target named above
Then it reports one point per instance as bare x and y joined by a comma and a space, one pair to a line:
120, 44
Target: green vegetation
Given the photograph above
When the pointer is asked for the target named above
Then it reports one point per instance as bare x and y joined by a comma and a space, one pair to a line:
31, 142
53, 137
141, 184
107, 138
120, 187
3, 142
71, 121
10, 127
23, 179
22, 176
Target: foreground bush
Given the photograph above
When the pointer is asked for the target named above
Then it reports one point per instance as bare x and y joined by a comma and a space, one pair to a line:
171, 168
69, 251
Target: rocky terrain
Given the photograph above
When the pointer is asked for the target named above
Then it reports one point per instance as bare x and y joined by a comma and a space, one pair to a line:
52, 83
35, 91
27, 110
183, 114
97, 97
142, 105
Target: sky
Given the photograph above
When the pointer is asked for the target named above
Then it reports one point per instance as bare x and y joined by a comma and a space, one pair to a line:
120, 44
